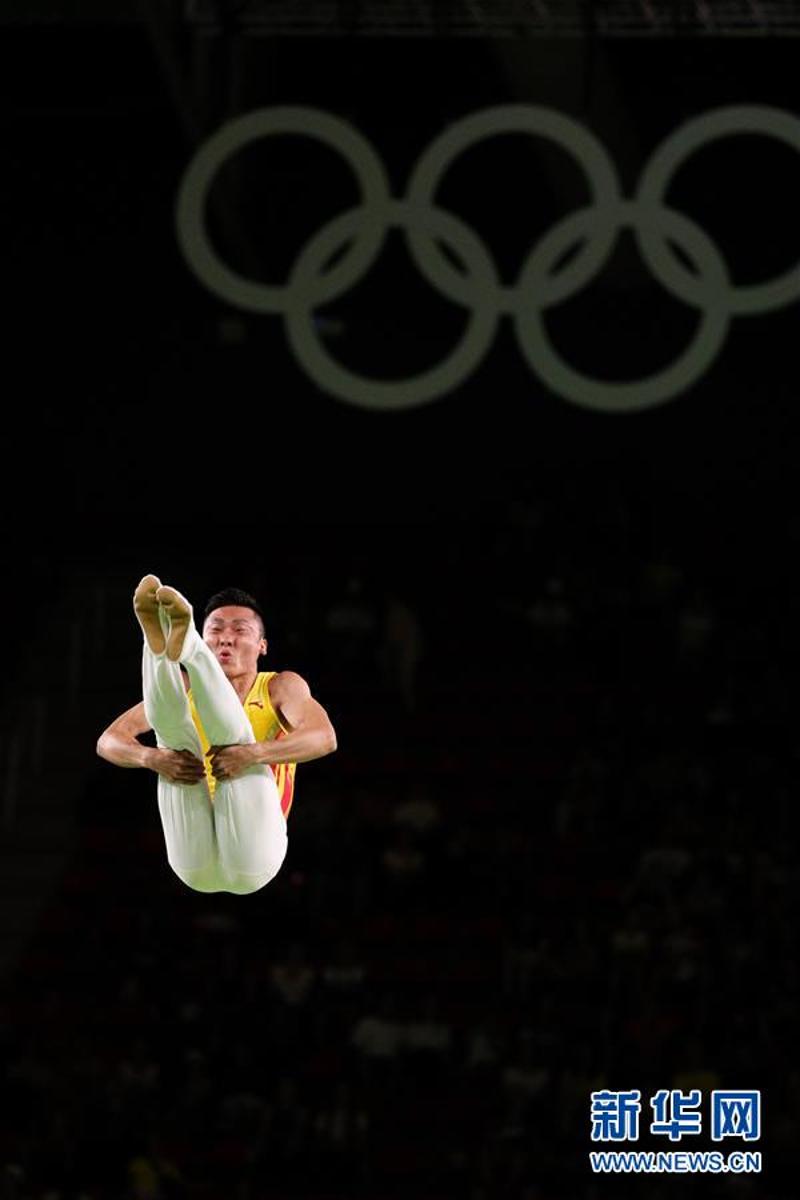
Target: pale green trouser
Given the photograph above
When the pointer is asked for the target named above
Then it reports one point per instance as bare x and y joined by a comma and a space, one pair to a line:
238, 842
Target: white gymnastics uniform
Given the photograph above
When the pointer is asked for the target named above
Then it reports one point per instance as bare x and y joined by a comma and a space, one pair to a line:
237, 842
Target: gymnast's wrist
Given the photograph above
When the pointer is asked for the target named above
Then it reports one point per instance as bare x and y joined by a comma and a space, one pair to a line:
150, 758
259, 752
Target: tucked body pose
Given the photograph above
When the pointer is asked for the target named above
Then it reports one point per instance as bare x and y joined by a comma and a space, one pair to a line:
228, 737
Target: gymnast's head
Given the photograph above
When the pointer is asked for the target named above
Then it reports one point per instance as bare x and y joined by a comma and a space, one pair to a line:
233, 627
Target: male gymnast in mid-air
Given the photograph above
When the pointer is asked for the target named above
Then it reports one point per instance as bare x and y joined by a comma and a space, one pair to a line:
228, 737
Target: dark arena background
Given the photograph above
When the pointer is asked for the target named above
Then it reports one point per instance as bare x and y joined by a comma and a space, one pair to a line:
465, 336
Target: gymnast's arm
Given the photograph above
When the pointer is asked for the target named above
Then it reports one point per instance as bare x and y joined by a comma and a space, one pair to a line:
309, 730
119, 744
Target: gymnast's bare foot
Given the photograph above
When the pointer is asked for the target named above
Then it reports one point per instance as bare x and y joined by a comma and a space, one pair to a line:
145, 605
179, 611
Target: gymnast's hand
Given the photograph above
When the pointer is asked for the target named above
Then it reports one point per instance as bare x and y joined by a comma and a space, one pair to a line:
228, 762
178, 766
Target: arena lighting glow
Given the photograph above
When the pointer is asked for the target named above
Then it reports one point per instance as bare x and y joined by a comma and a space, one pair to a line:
594, 229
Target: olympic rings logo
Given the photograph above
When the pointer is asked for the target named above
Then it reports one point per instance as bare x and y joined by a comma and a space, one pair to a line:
594, 229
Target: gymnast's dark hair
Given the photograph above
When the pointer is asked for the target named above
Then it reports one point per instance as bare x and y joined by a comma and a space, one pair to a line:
234, 596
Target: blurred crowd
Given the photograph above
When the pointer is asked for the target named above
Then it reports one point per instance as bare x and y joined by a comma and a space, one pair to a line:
553, 854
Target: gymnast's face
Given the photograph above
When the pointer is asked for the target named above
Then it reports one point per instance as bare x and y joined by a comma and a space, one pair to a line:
234, 635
